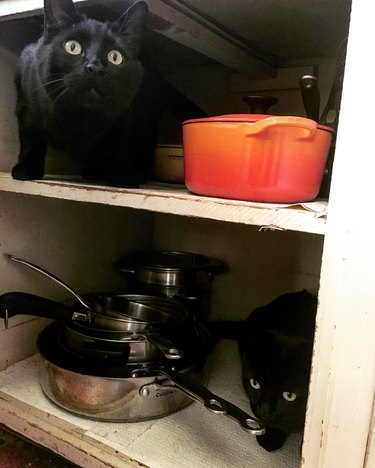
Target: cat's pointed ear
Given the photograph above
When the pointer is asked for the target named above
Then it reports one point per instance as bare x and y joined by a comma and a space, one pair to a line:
57, 14
132, 24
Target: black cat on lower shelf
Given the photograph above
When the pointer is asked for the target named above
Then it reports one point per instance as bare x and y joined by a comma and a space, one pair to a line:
275, 344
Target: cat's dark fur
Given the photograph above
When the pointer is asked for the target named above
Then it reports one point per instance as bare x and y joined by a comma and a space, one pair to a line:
104, 114
275, 345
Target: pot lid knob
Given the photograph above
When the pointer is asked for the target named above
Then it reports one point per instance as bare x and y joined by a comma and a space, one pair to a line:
259, 104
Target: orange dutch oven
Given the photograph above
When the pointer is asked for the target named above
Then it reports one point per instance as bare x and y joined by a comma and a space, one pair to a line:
254, 157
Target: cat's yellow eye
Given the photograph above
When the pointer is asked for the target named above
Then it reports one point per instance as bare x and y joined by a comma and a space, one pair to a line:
255, 384
73, 47
115, 57
289, 396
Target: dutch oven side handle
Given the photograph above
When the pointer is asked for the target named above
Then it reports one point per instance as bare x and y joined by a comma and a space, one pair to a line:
263, 125
201, 394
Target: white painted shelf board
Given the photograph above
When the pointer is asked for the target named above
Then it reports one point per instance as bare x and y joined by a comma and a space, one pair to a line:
192, 437
178, 201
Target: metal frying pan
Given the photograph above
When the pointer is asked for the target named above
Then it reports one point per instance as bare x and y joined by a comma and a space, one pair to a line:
106, 332
90, 308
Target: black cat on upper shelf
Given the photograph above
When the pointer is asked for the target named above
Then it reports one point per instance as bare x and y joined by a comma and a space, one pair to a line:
275, 344
87, 89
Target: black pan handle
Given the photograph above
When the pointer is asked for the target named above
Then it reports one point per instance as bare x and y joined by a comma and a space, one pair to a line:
19, 303
310, 96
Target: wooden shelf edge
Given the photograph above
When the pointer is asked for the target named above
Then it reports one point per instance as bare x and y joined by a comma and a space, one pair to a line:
176, 201
59, 436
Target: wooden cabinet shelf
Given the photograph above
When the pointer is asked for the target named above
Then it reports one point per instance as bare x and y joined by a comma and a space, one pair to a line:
179, 201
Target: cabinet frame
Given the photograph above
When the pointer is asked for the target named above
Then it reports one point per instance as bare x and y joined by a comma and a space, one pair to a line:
340, 418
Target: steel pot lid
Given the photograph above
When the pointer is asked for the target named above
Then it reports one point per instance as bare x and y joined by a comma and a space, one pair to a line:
170, 268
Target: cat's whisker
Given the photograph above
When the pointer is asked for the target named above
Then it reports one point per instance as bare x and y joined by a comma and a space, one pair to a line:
130, 111
60, 95
58, 80
48, 83
53, 74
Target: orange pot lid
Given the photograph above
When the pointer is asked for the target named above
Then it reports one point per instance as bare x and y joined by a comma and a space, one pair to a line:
250, 118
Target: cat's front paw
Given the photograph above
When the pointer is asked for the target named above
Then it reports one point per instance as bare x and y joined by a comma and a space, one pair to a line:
23, 171
272, 440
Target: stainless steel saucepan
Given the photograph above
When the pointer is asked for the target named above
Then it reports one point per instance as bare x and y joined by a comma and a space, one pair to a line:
184, 276
132, 392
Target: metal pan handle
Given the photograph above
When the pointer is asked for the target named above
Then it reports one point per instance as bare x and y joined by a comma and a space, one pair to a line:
51, 277
201, 394
166, 346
